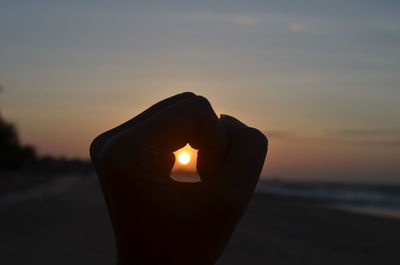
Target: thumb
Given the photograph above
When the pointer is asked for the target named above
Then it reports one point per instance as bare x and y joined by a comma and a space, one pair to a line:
245, 160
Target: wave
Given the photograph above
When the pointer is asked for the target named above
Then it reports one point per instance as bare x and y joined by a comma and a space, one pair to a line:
366, 195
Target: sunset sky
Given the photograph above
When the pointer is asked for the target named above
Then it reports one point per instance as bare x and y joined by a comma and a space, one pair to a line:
320, 78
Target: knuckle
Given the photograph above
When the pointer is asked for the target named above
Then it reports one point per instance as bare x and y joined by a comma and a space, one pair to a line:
259, 135
188, 93
202, 102
254, 136
95, 147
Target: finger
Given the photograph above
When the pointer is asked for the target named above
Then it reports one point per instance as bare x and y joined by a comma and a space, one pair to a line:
232, 120
190, 121
245, 160
154, 109
101, 139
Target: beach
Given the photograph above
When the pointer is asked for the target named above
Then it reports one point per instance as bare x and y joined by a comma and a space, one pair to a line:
68, 223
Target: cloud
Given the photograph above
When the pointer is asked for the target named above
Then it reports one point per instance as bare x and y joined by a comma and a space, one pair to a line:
297, 27
364, 137
302, 28
246, 21
280, 134
364, 132
388, 143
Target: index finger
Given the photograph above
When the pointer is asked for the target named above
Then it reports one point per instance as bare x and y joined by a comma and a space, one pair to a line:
190, 121
99, 141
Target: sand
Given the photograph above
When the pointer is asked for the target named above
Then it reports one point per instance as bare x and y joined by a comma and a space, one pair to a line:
71, 226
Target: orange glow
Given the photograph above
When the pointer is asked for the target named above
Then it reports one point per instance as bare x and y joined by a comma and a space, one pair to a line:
184, 169
184, 158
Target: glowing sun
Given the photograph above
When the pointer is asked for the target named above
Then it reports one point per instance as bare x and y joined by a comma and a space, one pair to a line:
184, 158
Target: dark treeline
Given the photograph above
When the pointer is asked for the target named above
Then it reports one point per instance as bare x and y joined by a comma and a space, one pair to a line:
16, 157
13, 156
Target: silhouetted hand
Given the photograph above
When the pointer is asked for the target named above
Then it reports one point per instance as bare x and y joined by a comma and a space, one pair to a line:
158, 220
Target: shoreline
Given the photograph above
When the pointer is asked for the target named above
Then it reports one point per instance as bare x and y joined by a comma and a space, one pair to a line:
369, 211
71, 225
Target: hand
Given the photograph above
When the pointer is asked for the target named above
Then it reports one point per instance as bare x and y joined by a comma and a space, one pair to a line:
158, 220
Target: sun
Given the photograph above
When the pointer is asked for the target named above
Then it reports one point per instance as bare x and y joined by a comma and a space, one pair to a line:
184, 158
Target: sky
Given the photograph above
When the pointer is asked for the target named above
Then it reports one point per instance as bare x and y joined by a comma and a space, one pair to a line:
320, 78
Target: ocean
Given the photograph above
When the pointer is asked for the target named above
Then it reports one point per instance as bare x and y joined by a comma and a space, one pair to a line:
379, 196
372, 196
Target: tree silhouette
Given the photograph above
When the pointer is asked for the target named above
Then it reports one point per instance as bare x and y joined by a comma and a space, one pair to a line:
12, 154
15, 156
